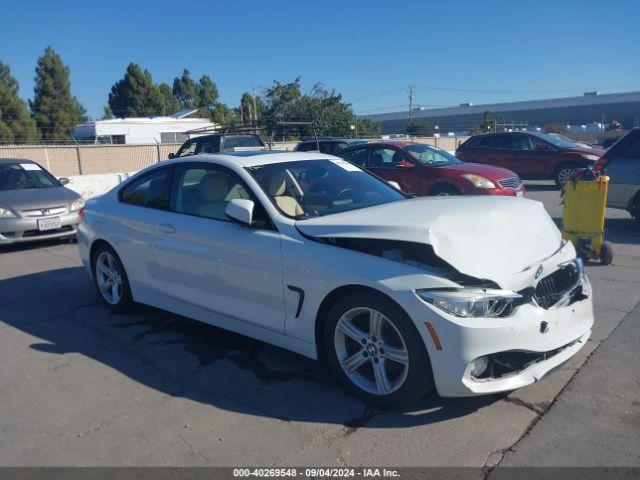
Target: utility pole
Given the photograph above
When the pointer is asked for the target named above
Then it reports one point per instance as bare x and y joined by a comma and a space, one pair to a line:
411, 97
255, 110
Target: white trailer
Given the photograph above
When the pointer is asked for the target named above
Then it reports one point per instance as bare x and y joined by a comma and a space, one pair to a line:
143, 130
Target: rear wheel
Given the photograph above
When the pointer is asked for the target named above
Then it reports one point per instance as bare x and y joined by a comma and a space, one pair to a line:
111, 280
443, 191
606, 253
563, 173
375, 351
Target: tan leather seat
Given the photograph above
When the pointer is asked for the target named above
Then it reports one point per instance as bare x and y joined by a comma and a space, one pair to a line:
212, 191
286, 203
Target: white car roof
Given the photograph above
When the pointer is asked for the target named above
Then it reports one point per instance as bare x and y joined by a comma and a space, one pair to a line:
254, 158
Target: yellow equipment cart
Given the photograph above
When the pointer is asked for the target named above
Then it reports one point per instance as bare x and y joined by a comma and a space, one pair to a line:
585, 198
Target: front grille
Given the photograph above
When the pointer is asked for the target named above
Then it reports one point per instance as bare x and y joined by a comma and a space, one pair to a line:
512, 362
44, 212
511, 182
552, 288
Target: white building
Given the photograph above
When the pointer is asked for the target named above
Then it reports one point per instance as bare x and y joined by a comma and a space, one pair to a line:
139, 130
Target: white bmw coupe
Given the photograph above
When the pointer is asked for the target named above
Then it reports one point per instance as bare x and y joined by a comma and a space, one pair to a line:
399, 295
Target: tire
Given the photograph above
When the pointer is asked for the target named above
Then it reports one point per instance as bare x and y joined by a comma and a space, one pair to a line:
635, 209
387, 372
563, 172
110, 280
443, 190
606, 253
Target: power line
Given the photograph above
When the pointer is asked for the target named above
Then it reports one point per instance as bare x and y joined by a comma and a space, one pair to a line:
556, 90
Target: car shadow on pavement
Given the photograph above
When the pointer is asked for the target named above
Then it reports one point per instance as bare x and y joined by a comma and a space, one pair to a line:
616, 230
540, 187
184, 358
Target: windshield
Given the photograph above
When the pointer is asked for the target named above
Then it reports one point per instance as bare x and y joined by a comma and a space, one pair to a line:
313, 188
556, 141
431, 156
20, 176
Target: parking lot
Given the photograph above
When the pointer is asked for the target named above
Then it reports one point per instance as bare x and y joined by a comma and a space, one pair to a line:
79, 386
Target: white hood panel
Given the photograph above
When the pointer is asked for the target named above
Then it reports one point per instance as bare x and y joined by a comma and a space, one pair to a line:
485, 237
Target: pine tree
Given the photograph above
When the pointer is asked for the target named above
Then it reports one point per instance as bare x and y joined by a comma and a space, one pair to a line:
16, 125
135, 95
169, 100
186, 90
55, 110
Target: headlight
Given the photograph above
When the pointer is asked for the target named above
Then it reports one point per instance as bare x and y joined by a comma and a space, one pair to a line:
472, 302
591, 158
77, 205
6, 213
478, 181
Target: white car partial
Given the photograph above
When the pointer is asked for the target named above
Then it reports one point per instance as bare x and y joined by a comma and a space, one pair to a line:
399, 296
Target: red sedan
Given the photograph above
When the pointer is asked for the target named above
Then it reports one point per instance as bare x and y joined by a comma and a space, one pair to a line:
421, 170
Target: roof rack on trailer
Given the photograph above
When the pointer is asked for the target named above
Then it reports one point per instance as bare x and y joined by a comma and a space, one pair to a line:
233, 129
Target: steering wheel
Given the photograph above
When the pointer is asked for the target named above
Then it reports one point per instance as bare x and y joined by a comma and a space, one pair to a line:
344, 192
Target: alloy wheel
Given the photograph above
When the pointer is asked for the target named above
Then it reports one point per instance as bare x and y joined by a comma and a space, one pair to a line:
371, 351
109, 278
564, 175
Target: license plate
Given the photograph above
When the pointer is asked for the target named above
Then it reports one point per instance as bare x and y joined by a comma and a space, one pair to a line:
520, 194
45, 224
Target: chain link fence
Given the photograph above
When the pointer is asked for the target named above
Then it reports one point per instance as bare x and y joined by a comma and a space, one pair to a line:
70, 160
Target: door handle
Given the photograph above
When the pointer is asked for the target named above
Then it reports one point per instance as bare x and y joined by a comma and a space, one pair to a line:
166, 228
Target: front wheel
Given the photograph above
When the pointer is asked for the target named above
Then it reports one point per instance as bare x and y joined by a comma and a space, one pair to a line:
563, 173
375, 351
111, 280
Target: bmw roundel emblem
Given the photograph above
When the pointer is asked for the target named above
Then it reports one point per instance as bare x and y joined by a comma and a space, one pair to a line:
538, 272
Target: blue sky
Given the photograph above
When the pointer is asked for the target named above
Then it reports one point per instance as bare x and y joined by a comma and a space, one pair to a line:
368, 50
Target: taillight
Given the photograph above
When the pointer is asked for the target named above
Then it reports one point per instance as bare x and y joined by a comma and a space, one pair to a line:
81, 213
600, 164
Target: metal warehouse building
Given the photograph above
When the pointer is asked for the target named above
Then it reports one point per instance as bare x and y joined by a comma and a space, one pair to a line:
587, 109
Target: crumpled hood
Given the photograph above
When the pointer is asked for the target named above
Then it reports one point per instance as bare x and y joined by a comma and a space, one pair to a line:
485, 237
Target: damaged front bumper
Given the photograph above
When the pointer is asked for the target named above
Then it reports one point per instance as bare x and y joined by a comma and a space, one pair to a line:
487, 355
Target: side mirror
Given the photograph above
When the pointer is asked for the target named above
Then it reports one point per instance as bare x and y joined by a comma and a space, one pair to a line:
395, 185
63, 181
542, 146
241, 210
172, 155
404, 164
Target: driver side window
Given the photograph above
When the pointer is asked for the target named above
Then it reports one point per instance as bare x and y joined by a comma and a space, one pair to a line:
205, 191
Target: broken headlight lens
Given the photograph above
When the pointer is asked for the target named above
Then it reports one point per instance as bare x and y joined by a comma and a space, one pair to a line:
472, 302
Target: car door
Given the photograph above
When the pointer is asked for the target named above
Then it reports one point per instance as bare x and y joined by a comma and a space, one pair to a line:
212, 262
623, 169
527, 159
491, 150
394, 165
136, 218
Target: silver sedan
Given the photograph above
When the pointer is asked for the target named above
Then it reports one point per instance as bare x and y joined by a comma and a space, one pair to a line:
34, 205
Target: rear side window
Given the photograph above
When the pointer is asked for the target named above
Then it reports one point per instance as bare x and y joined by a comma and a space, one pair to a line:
496, 141
326, 147
241, 141
151, 190
474, 142
306, 147
357, 156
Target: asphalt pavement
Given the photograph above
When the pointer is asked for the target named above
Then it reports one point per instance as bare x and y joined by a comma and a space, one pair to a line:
79, 386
